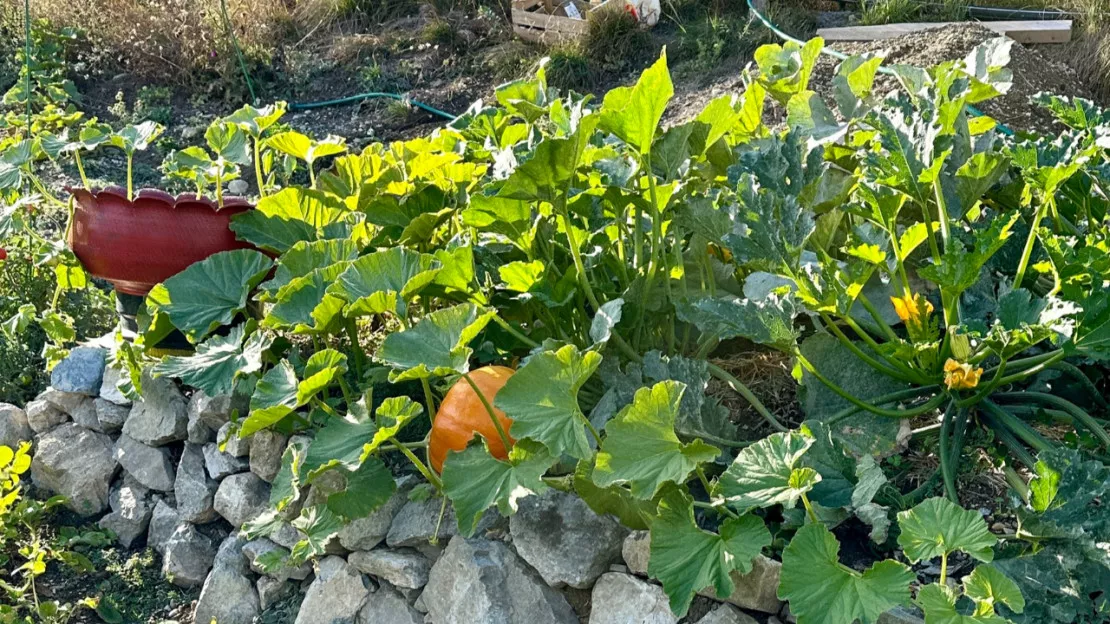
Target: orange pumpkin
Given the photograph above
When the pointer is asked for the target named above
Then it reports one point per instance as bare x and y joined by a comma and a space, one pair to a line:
461, 415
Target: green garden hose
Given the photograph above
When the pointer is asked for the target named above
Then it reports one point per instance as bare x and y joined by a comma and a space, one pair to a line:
841, 56
238, 52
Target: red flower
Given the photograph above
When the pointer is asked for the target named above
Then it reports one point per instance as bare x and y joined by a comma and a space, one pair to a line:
3, 254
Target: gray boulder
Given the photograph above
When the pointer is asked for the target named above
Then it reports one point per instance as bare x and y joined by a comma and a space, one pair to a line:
109, 390
402, 568
131, 512
164, 520
636, 551
480, 580
622, 599
415, 524
336, 596
564, 540
14, 427
150, 466
727, 614
111, 416
366, 533
228, 595
258, 550
44, 416
212, 412
193, 489
285, 535
266, 449
161, 416
232, 443
67, 402
77, 463
272, 591
187, 556
387, 606
221, 464
82, 371
242, 498
84, 414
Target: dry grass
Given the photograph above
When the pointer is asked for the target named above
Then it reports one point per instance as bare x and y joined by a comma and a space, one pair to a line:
767, 374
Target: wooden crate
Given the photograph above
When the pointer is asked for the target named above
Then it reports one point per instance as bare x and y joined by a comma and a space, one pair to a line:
547, 20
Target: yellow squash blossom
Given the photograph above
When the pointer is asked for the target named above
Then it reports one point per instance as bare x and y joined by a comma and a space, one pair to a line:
959, 376
910, 308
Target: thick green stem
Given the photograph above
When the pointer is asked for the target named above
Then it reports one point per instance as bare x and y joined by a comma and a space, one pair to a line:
847, 396
429, 400
656, 246
130, 188
576, 254
356, 349
879, 320
809, 509
514, 331
1027, 252
1017, 426
258, 168
944, 567
1078, 413
419, 465
944, 454
933, 249
870, 361
745, 392
493, 417
942, 211
81, 169
1007, 438
893, 397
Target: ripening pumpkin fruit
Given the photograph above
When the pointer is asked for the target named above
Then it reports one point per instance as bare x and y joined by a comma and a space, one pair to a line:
461, 415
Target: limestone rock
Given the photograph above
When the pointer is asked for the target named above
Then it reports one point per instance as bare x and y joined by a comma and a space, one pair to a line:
636, 551
241, 498
387, 606
164, 520
415, 524
187, 556
111, 416
161, 416
130, 516
67, 402
212, 412
727, 614
285, 535
272, 591
336, 596
756, 590
44, 416
232, 443
624, 599
81, 372
193, 489
263, 547
77, 463
366, 533
108, 389
402, 568
266, 449
480, 580
149, 466
221, 464
228, 595
14, 427
564, 540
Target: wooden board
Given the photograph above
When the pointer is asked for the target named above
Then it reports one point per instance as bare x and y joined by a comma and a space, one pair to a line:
1040, 31
532, 20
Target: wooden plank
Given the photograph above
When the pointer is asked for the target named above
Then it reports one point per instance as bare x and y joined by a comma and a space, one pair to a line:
1033, 31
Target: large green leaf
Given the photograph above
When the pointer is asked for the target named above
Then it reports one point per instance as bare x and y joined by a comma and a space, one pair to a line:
989, 587
784, 70
304, 304
321, 369
391, 417
769, 230
474, 480
274, 398
218, 361
959, 267
641, 447
769, 321
615, 500
229, 142
210, 293
340, 442
436, 346
300, 146
939, 604
384, 280
768, 473
255, 121
288, 217
542, 400
687, 559
319, 525
937, 526
551, 168
633, 113
821, 590
368, 487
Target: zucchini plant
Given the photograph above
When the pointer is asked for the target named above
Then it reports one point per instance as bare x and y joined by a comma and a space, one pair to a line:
604, 258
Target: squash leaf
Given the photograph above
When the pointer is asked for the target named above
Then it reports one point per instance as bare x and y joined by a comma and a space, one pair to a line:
641, 447
768, 473
769, 321
368, 487
288, 217
210, 293
687, 559
823, 591
542, 400
218, 361
937, 526
475, 481
633, 113
435, 346
383, 281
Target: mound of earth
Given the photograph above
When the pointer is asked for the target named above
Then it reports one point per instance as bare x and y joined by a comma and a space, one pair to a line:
1033, 71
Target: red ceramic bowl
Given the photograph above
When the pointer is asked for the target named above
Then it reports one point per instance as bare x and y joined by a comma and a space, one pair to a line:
137, 244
